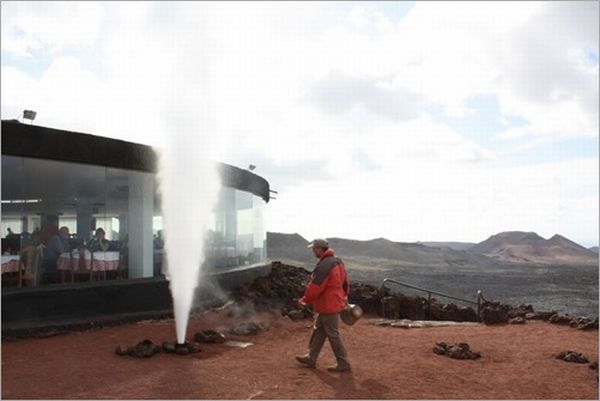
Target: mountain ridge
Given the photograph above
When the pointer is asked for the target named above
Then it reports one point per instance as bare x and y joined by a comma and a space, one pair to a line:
509, 247
529, 247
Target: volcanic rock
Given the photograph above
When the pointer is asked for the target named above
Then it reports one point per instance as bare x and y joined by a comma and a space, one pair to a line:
557, 318
143, 349
366, 296
466, 314
517, 320
209, 336
282, 286
520, 311
400, 306
295, 315
584, 323
455, 351
493, 314
248, 328
292, 311
121, 350
545, 316
572, 356
451, 312
168, 346
181, 350
189, 347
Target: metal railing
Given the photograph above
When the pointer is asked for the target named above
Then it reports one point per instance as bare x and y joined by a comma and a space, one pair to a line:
429, 292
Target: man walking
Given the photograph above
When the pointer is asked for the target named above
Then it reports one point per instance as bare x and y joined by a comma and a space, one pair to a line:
327, 291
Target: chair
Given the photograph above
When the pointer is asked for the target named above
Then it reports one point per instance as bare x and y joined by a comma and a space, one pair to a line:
79, 266
32, 257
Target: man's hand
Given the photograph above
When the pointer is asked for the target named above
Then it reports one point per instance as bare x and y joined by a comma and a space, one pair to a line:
301, 304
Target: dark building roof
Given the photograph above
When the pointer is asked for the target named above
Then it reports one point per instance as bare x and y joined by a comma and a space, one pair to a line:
48, 143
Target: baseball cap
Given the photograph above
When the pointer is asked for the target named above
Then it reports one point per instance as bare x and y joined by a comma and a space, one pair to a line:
319, 243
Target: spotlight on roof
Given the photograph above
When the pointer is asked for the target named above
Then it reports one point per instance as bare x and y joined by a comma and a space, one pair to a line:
251, 167
29, 115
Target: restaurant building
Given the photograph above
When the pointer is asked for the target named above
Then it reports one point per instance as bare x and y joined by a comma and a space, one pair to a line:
54, 178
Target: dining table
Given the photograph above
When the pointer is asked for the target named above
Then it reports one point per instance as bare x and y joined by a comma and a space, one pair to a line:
12, 264
94, 261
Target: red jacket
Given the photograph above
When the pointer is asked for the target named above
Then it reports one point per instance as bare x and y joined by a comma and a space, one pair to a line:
328, 288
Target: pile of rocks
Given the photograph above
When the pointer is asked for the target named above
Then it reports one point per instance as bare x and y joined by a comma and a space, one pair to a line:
496, 312
248, 328
284, 285
400, 306
579, 322
209, 336
143, 349
189, 347
572, 356
456, 350
292, 311
366, 296
545, 316
452, 312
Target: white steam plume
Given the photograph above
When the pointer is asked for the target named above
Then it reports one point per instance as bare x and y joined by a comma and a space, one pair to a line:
189, 179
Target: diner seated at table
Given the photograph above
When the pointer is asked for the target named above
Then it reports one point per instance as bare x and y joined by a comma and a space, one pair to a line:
54, 247
159, 242
98, 243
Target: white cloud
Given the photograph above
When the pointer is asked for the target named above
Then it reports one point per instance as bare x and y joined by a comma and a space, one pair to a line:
49, 26
312, 94
436, 201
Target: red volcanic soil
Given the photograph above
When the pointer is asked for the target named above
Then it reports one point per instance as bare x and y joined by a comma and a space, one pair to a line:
389, 363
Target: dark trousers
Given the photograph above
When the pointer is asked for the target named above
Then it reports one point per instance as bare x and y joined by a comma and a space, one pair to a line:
50, 272
326, 326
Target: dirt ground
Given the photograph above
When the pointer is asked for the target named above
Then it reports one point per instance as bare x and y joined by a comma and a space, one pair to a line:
389, 363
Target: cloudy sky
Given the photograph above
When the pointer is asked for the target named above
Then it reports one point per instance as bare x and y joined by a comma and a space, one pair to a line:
410, 121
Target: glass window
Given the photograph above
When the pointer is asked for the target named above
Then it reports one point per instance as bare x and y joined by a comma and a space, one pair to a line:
112, 221
129, 218
15, 228
237, 234
70, 195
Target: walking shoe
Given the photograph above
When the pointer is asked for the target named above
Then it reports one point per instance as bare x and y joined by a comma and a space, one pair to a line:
306, 360
340, 368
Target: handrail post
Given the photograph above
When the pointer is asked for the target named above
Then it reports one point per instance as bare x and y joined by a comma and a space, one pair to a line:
429, 308
382, 291
429, 292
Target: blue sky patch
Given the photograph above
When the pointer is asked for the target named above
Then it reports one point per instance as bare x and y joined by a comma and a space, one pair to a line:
33, 66
592, 55
484, 122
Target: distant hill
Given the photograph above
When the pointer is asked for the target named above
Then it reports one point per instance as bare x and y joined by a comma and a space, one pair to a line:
457, 246
514, 247
594, 249
289, 247
529, 247
378, 252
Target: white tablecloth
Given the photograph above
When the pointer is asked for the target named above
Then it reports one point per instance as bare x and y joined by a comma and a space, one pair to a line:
11, 264
105, 261
96, 261
66, 261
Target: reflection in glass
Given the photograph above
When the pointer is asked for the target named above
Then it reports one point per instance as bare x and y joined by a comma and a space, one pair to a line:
40, 196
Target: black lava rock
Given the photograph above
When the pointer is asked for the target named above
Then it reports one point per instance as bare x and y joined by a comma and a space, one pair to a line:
209, 336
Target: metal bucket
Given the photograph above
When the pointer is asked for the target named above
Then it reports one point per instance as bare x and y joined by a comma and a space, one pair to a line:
351, 314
